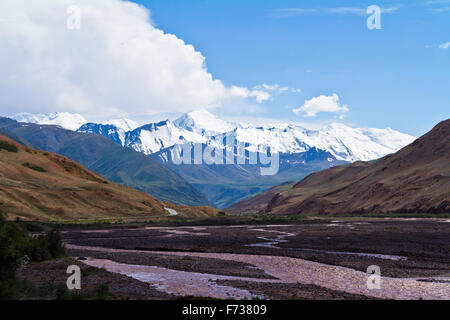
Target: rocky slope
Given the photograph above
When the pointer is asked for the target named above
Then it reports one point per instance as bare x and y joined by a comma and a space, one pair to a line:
258, 203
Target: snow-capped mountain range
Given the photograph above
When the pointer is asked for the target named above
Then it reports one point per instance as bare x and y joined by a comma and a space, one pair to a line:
302, 151
343, 142
71, 121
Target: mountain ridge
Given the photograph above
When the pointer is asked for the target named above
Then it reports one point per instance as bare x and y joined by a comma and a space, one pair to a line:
344, 142
66, 120
103, 156
416, 179
45, 186
301, 151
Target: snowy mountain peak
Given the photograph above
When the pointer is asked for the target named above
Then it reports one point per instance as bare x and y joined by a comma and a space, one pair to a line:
71, 121
124, 124
368, 143
153, 137
341, 141
202, 121
336, 126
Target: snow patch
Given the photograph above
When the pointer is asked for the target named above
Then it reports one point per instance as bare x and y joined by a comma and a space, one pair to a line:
172, 212
70, 121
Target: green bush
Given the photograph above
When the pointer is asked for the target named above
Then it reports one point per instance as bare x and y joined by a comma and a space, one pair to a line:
45, 247
4, 145
33, 167
14, 245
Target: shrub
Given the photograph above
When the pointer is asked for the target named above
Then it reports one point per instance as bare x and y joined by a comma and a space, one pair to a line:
14, 245
45, 247
33, 167
12, 242
4, 145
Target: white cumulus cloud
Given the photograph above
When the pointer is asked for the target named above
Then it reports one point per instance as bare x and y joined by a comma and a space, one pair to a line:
117, 63
321, 104
243, 92
276, 88
445, 45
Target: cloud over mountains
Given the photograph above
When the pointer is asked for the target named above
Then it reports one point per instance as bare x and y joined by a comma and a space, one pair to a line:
321, 103
117, 62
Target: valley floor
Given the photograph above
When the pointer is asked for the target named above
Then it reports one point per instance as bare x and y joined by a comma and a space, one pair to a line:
311, 259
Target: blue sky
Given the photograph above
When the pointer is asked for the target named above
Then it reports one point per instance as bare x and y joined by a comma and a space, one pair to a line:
394, 77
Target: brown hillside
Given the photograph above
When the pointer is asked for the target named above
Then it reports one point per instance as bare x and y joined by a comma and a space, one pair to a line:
416, 179
36, 185
258, 203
